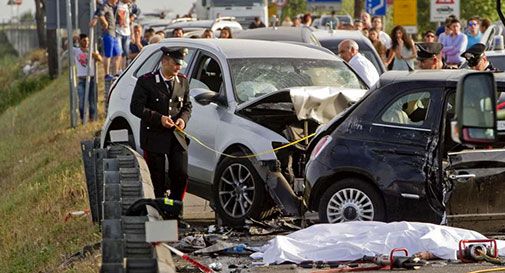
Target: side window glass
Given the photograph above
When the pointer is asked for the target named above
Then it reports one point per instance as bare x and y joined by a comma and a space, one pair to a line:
411, 109
189, 53
207, 75
149, 65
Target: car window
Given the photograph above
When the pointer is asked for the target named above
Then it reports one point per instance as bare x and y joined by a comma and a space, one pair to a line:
365, 51
411, 109
372, 58
497, 61
254, 77
149, 65
207, 74
153, 62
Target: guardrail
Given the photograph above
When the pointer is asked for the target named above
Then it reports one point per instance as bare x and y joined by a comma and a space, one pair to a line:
116, 177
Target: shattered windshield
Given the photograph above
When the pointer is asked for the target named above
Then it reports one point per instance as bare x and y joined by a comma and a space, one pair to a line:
255, 77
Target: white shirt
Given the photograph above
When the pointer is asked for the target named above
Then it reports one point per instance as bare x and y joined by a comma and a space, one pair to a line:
123, 19
365, 69
81, 61
385, 39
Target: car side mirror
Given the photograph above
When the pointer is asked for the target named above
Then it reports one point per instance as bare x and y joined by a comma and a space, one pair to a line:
204, 96
475, 121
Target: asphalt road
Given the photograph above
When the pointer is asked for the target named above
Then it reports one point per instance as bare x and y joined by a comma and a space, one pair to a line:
200, 216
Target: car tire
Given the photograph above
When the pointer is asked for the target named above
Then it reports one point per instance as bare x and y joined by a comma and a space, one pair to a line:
351, 199
239, 192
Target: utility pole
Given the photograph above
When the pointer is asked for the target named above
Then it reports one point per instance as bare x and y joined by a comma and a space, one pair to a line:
91, 66
358, 7
71, 68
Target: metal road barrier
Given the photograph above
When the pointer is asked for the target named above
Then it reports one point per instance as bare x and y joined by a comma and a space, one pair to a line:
116, 177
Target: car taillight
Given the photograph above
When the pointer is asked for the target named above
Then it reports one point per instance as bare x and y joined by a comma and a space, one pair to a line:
320, 146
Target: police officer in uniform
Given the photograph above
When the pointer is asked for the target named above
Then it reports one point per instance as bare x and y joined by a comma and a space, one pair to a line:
429, 57
160, 100
477, 59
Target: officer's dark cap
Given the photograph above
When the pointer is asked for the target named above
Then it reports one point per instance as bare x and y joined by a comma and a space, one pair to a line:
474, 51
428, 50
176, 54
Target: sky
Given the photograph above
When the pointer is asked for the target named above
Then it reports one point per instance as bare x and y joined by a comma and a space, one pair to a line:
177, 6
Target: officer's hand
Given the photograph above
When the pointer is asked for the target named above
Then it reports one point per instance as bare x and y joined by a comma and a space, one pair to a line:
167, 122
180, 123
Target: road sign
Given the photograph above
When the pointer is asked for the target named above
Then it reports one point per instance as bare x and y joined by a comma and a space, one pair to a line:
440, 9
376, 7
405, 12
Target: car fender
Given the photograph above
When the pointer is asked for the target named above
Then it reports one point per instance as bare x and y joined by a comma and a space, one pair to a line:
132, 121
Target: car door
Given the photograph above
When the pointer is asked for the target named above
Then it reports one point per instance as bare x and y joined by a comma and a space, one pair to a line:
206, 74
478, 178
402, 143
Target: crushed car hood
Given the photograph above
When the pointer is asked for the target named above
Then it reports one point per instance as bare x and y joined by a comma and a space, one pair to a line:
315, 103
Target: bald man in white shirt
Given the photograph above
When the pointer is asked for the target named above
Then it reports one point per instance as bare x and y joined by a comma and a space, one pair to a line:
349, 51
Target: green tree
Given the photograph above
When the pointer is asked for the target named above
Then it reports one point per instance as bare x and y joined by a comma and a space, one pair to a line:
468, 8
294, 7
26, 17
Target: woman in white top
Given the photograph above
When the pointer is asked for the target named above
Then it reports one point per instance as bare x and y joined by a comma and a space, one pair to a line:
403, 52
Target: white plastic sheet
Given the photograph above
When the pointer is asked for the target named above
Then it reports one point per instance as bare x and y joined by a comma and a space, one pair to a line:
322, 103
352, 240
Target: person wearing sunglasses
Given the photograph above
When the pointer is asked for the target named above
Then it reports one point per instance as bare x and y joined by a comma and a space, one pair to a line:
477, 59
473, 31
429, 37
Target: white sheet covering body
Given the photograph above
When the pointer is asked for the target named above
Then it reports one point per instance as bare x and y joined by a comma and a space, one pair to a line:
352, 240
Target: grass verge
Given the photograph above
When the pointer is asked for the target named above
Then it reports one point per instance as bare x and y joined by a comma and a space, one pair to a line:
41, 180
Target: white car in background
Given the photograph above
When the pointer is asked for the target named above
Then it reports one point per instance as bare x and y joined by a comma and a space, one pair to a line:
248, 97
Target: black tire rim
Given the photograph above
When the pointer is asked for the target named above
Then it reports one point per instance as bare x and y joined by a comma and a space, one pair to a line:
349, 205
236, 190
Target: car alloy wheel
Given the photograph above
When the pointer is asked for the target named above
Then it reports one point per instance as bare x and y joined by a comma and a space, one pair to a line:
236, 190
349, 205
351, 199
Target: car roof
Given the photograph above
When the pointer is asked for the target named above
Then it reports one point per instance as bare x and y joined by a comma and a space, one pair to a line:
449, 76
241, 48
193, 24
339, 34
274, 34
205, 24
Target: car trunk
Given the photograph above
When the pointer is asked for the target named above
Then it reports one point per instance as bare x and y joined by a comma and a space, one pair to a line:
477, 202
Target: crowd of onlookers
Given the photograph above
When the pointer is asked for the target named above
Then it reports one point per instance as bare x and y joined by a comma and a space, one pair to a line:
123, 38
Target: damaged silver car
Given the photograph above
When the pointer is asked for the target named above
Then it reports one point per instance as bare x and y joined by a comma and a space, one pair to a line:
249, 97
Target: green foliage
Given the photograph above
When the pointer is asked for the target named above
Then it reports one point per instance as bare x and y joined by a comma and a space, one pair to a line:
41, 181
20, 89
468, 8
26, 17
6, 49
294, 7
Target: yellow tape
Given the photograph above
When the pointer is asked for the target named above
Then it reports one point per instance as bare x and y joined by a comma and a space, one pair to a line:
489, 270
243, 156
